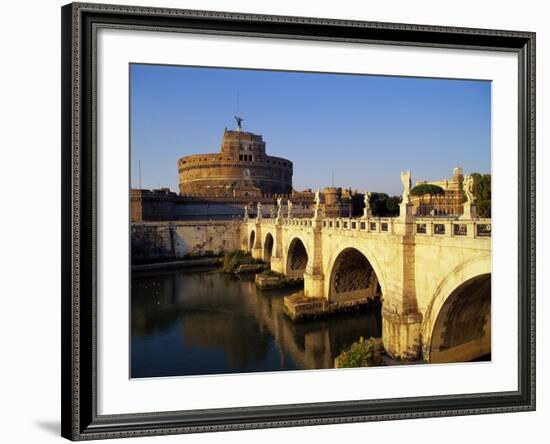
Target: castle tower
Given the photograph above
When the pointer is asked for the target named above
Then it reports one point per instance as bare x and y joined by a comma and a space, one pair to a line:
458, 174
241, 168
331, 196
332, 207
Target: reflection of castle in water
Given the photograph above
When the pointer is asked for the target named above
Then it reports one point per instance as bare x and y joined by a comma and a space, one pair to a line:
243, 323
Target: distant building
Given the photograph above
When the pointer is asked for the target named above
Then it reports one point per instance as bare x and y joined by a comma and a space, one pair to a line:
241, 168
448, 204
219, 185
332, 202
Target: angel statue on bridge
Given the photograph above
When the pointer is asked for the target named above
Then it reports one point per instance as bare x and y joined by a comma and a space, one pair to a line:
367, 210
406, 181
468, 188
279, 207
246, 212
317, 198
289, 208
259, 206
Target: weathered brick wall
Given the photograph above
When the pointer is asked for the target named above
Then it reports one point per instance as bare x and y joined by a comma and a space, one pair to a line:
243, 154
169, 240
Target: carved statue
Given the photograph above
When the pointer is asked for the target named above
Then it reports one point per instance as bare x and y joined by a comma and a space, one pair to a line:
367, 210
317, 198
367, 200
406, 181
259, 209
468, 188
289, 206
239, 122
279, 207
246, 211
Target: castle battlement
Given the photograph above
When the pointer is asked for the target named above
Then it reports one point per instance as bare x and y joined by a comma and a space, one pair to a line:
241, 168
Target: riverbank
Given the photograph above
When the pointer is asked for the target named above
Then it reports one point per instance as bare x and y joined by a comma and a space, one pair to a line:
180, 264
236, 262
241, 262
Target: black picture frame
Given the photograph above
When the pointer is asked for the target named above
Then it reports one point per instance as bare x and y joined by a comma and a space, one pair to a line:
79, 169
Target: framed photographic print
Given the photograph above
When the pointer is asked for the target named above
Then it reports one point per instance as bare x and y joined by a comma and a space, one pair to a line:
277, 221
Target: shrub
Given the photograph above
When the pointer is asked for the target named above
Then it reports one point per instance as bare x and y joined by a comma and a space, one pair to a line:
363, 353
233, 259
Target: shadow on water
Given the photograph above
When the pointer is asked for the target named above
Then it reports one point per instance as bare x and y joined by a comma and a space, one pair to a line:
208, 322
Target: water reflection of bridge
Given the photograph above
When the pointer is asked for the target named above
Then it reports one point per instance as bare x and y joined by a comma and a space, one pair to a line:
216, 315
434, 274
311, 345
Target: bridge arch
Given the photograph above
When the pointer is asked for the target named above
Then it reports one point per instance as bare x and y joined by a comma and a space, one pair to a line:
352, 277
252, 239
296, 258
268, 245
365, 252
457, 323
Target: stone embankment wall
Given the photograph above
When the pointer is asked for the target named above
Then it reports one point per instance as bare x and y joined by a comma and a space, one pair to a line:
171, 240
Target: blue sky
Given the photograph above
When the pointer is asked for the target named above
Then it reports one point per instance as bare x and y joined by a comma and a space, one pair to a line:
364, 129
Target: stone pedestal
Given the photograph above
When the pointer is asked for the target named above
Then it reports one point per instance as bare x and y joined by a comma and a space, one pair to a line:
367, 213
469, 211
401, 335
405, 211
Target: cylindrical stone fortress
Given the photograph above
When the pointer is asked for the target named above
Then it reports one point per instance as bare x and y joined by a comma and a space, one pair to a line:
241, 168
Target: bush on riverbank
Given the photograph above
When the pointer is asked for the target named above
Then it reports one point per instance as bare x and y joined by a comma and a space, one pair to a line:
232, 259
363, 353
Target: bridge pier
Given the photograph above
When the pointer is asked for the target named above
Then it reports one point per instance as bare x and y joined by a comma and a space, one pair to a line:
401, 334
257, 252
314, 285
277, 262
314, 279
401, 319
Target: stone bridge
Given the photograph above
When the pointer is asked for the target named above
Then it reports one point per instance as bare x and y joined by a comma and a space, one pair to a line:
432, 275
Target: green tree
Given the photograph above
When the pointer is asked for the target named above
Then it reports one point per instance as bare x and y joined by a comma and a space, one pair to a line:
383, 205
427, 189
392, 205
482, 193
357, 204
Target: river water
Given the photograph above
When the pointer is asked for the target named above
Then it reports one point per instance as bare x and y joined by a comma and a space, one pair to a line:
208, 322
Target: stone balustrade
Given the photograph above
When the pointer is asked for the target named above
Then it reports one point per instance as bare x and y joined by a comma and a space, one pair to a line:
423, 226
